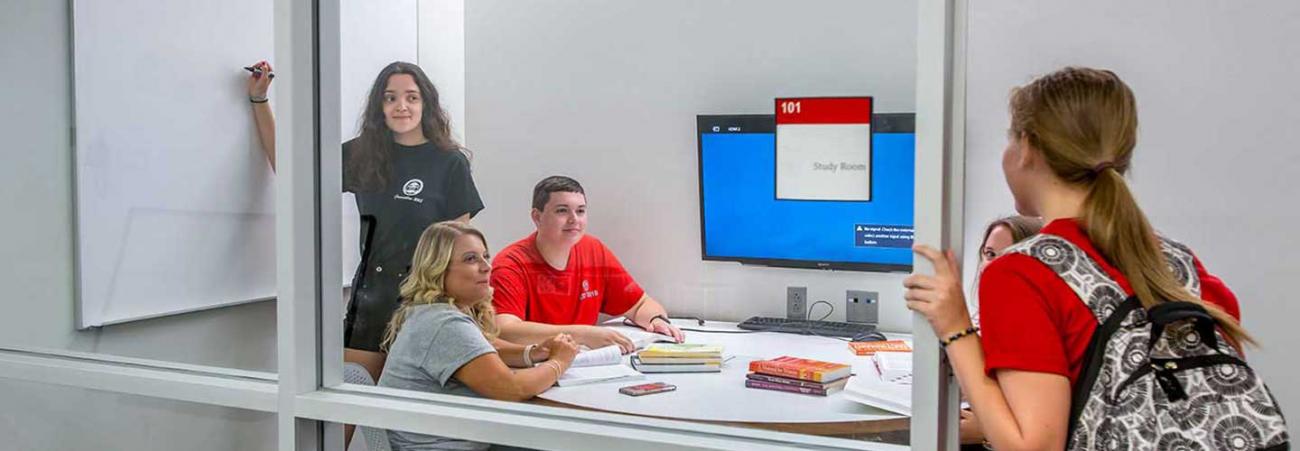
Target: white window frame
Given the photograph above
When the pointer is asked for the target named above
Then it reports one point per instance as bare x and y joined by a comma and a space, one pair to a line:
309, 399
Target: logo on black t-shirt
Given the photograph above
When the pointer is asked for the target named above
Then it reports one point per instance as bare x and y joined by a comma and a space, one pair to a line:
409, 189
413, 187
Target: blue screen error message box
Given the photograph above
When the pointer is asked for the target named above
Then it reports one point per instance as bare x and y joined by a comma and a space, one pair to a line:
873, 235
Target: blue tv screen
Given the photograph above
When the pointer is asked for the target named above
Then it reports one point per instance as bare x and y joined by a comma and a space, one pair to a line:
742, 220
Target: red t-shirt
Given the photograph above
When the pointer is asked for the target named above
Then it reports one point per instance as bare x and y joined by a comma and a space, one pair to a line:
594, 282
1031, 320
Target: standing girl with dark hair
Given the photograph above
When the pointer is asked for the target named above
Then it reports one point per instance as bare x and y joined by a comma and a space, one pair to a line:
407, 172
1071, 141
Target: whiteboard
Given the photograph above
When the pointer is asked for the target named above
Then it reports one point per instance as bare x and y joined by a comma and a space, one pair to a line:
174, 198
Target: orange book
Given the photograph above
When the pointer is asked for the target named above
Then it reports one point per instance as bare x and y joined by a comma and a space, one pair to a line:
872, 347
805, 369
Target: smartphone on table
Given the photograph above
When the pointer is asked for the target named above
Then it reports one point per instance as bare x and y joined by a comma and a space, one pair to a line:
646, 389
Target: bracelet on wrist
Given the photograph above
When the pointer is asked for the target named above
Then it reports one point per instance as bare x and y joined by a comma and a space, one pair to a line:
665, 318
554, 366
954, 337
257, 99
528, 355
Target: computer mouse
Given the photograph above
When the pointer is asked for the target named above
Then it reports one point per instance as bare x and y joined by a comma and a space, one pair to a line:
874, 335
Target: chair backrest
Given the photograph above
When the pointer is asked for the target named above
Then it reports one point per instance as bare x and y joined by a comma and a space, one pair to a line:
376, 438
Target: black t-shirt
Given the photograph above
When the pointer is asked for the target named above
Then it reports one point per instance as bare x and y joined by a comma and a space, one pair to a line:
426, 185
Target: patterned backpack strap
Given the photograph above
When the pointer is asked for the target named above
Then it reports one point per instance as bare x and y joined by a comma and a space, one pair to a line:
1099, 292
1182, 263
1089, 281
1085, 277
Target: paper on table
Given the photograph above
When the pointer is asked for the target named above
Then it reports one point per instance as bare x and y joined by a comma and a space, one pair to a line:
893, 366
870, 390
595, 374
609, 355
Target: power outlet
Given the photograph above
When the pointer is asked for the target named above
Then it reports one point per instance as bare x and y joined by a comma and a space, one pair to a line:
796, 303
862, 307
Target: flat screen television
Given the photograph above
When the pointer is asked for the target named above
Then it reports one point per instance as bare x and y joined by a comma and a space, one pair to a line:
741, 219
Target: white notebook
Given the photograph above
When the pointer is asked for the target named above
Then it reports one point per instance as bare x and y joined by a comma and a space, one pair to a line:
597, 374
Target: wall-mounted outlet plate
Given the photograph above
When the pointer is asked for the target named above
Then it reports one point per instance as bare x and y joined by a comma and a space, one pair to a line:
862, 306
796, 303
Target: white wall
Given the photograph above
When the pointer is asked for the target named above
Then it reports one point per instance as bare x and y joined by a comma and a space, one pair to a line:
1216, 159
36, 196
35, 416
607, 92
442, 56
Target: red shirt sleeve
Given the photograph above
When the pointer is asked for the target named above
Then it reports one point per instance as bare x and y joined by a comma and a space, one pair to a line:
1019, 330
621, 291
1213, 290
509, 288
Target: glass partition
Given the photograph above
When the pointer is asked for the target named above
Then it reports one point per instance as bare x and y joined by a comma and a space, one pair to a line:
622, 176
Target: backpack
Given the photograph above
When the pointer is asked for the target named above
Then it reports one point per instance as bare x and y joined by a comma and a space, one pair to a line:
1158, 379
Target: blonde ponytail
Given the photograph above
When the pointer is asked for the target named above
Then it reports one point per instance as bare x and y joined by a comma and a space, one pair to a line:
1119, 230
1084, 121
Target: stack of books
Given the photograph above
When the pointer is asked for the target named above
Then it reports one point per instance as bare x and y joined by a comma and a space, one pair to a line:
795, 375
678, 358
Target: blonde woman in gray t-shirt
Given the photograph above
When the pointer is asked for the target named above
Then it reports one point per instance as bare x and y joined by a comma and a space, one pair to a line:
443, 338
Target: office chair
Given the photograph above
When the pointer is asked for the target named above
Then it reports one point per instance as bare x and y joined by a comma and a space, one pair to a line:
376, 438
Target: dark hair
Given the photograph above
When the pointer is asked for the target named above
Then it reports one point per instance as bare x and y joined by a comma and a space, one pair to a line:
368, 164
1084, 121
554, 184
1021, 227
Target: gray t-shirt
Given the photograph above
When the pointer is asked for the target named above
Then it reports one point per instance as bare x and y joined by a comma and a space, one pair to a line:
434, 342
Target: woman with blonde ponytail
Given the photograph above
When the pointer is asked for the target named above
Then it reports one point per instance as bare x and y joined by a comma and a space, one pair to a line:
1071, 141
442, 338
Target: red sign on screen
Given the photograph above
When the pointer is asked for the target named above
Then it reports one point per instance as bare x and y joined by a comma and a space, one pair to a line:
823, 149
824, 110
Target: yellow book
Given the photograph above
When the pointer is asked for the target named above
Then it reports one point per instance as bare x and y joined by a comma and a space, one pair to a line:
681, 350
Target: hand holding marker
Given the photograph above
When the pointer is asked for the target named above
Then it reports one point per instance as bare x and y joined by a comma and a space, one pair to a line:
257, 71
257, 84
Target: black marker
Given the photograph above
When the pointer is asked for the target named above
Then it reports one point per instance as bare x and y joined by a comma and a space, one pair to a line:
257, 71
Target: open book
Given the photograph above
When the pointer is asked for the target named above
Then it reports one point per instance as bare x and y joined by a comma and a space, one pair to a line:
642, 338
606, 364
597, 374
609, 355
598, 365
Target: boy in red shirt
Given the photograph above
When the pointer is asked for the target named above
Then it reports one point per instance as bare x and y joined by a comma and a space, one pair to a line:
559, 280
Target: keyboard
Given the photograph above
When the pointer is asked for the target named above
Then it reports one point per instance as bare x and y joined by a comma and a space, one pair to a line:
806, 327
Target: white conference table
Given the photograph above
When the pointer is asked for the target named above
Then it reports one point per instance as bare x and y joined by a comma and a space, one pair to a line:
723, 397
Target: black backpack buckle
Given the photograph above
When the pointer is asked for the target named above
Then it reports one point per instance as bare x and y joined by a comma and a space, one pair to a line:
1168, 382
